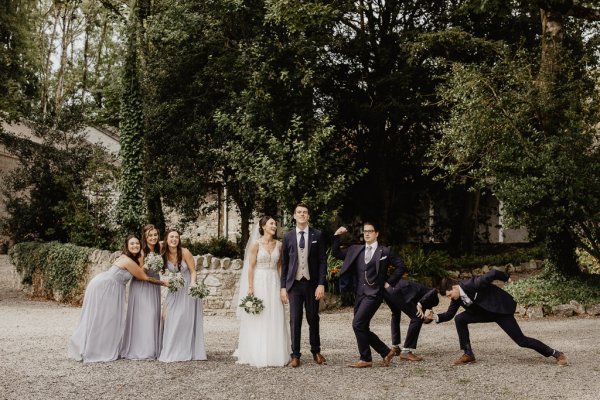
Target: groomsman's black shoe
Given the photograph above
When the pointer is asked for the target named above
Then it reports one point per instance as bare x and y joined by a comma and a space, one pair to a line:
562, 360
464, 359
410, 357
294, 363
362, 364
388, 359
319, 359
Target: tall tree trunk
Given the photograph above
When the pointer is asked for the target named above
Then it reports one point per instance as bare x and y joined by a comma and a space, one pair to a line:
560, 248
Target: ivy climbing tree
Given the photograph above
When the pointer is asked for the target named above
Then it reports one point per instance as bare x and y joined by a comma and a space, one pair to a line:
131, 209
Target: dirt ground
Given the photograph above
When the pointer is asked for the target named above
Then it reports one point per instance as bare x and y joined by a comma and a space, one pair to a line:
33, 362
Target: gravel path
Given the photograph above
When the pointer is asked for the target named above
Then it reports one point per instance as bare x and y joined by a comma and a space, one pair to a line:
33, 363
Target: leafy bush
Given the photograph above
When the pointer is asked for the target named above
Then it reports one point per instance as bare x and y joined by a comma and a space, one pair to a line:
218, 247
549, 289
62, 266
506, 256
421, 265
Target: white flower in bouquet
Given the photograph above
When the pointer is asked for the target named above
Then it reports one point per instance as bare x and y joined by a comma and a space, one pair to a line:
153, 262
198, 290
252, 305
176, 281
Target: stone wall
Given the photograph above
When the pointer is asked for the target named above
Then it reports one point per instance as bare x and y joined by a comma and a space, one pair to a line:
222, 277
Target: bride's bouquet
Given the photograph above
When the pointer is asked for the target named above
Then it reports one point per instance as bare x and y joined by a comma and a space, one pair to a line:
176, 281
153, 262
252, 305
198, 290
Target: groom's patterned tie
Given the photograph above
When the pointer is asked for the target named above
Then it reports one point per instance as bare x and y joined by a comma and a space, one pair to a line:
302, 243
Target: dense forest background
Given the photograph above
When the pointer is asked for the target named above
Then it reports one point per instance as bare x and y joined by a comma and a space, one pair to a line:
363, 109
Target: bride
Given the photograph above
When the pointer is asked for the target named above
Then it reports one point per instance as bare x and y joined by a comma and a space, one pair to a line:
264, 338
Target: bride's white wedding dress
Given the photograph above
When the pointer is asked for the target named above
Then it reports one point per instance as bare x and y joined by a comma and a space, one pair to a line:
265, 338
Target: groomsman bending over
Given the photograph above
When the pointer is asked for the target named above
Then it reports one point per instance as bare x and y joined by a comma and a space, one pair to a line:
411, 298
365, 268
485, 302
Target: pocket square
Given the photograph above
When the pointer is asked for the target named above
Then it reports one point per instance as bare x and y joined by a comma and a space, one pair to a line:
383, 258
314, 241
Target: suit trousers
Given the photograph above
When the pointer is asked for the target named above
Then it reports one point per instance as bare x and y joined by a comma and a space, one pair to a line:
397, 304
364, 310
302, 295
507, 322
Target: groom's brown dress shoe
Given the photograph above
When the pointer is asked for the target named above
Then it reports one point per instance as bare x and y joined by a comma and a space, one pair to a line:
295, 362
361, 364
387, 359
319, 359
562, 360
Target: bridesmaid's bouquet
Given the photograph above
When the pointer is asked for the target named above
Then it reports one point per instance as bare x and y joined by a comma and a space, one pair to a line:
153, 262
176, 281
252, 305
198, 290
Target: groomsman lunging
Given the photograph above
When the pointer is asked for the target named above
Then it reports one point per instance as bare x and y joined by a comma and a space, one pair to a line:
365, 269
485, 302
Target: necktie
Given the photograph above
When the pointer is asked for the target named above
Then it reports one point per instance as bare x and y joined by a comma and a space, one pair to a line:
368, 254
302, 243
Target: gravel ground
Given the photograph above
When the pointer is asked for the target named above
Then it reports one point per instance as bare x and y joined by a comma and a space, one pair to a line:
33, 362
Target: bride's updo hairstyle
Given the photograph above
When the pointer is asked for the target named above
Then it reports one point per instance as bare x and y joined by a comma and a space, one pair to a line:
262, 222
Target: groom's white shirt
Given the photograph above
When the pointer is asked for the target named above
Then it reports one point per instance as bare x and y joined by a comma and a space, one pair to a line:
302, 271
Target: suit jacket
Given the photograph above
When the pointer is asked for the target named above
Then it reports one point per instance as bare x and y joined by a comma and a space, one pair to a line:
383, 258
485, 294
415, 292
317, 259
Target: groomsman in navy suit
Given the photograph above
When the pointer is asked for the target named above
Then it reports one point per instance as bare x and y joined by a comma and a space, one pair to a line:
485, 302
413, 299
303, 275
365, 269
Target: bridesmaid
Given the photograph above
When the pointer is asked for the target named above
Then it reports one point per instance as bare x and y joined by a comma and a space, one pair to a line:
142, 326
100, 329
183, 333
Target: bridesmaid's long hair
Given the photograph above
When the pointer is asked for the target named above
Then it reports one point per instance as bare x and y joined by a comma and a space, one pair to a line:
134, 257
165, 250
145, 232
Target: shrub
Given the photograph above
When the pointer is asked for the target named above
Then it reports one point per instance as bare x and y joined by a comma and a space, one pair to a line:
422, 265
218, 247
550, 288
62, 266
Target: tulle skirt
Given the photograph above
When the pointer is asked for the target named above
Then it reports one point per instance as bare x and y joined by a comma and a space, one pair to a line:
265, 338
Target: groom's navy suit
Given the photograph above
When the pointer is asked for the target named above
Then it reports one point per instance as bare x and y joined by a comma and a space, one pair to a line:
368, 280
302, 292
488, 303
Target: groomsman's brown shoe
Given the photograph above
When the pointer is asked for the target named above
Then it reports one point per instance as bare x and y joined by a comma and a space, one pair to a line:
388, 359
410, 357
361, 364
319, 359
464, 359
294, 363
562, 360
396, 350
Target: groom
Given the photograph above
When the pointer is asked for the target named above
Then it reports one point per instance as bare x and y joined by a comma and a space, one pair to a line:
303, 272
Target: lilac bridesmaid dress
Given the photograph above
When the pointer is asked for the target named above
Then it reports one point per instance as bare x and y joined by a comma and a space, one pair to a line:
100, 329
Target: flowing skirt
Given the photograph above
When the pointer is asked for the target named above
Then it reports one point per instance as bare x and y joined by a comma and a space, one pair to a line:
265, 338
142, 325
183, 331
100, 330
